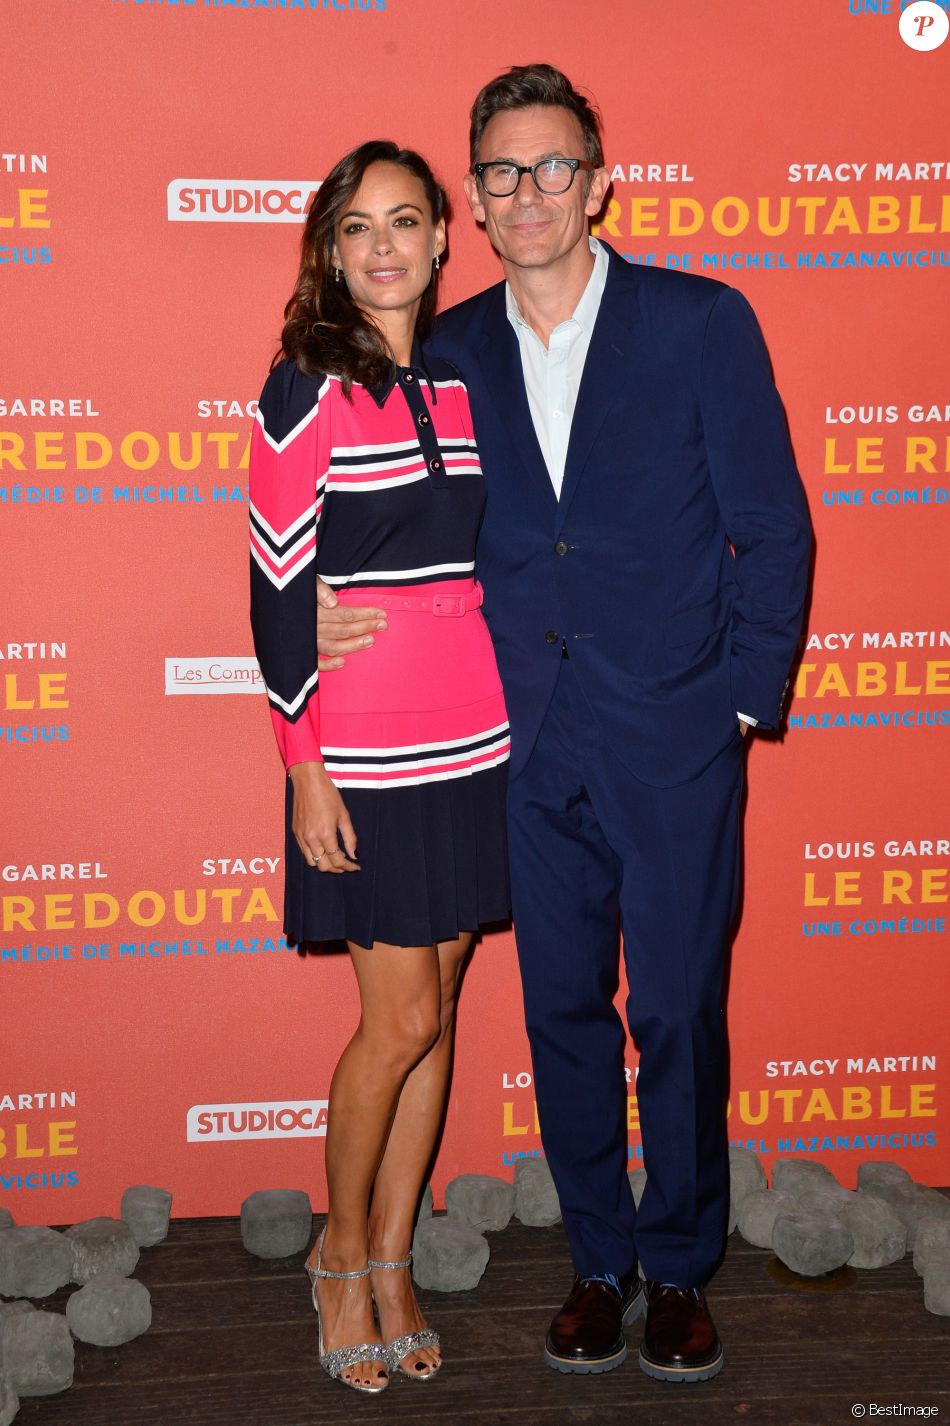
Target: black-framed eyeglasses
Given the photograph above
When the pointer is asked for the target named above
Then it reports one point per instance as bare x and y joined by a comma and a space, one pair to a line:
550, 175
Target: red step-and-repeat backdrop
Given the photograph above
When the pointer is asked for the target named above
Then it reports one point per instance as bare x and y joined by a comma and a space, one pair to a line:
156, 160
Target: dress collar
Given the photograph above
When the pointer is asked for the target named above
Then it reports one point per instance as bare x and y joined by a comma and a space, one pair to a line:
382, 390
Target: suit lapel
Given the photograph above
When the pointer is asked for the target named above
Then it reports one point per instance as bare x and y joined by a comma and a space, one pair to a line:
500, 358
606, 381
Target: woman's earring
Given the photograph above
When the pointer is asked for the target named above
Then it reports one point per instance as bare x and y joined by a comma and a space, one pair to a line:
437, 262
338, 275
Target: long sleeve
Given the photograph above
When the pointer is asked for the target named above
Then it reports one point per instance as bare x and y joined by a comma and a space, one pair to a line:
290, 450
762, 502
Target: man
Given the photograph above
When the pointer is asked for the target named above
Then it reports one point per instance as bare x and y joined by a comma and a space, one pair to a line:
644, 557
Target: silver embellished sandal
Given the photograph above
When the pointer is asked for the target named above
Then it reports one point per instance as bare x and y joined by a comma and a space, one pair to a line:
402, 1347
341, 1358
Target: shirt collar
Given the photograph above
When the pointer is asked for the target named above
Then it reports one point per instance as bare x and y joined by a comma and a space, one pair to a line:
382, 390
585, 313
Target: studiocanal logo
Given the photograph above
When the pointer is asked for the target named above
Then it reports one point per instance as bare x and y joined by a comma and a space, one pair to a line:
284, 1119
240, 200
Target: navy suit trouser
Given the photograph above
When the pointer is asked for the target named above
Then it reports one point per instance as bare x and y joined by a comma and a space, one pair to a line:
593, 848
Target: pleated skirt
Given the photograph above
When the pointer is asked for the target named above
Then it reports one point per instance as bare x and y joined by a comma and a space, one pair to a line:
414, 733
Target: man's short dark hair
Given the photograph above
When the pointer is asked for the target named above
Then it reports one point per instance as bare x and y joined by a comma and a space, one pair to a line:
525, 85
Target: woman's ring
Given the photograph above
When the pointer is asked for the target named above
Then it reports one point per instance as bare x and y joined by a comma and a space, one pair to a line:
315, 856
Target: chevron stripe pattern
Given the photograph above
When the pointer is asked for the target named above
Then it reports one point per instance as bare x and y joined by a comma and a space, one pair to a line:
377, 490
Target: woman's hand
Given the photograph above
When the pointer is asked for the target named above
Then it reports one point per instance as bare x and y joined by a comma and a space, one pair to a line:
320, 820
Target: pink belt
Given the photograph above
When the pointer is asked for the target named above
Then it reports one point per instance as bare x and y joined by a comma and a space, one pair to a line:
443, 606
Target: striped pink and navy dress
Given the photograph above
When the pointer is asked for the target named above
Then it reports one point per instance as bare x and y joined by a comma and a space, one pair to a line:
382, 496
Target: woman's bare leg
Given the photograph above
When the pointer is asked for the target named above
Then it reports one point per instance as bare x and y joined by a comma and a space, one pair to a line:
400, 998
402, 1171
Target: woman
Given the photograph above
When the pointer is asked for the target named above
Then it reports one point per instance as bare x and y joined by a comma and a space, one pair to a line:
364, 467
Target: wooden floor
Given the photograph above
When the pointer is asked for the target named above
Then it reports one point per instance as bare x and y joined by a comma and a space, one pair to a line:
233, 1343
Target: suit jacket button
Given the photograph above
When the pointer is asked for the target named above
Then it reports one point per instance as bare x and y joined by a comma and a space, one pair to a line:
561, 548
552, 636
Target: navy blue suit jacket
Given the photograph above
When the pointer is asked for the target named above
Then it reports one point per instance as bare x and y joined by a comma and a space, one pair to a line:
675, 562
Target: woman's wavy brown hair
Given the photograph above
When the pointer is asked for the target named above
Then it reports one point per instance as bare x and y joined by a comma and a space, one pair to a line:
324, 330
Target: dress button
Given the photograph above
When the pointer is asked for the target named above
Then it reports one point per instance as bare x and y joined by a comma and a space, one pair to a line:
561, 548
408, 377
552, 636
423, 419
435, 465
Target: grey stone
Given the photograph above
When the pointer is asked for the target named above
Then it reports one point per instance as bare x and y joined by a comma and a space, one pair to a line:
938, 1261
276, 1222
811, 1243
425, 1204
933, 1204
448, 1256
483, 1202
6, 1218
821, 1201
34, 1262
109, 1310
879, 1235
14, 1309
758, 1211
932, 1236
102, 1245
875, 1172
9, 1402
912, 1203
637, 1179
746, 1174
9, 1310
800, 1176
536, 1204
147, 1211
937, 1284
38, 1354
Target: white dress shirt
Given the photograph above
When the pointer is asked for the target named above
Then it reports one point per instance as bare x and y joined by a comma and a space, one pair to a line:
552, 373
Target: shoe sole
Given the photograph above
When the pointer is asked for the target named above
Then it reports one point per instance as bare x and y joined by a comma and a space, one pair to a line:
590, 1365
704, 1372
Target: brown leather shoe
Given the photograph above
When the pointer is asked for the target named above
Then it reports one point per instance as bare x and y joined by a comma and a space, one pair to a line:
587, 1333
680, 1341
